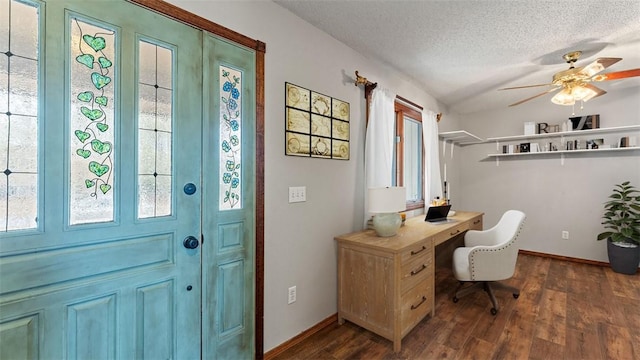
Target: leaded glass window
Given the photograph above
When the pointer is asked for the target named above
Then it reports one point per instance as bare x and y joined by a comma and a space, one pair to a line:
92, 124
230, 139
19, 55
155, 141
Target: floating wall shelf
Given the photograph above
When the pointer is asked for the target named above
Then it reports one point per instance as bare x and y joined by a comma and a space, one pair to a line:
566, 133
460, 137
562, 136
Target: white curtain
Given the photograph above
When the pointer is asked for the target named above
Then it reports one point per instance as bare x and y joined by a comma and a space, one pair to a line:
378, 158
433, 183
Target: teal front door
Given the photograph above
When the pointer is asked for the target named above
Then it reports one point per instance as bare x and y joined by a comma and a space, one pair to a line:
126, 200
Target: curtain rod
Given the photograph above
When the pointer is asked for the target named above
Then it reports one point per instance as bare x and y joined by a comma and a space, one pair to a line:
410, 103
369, 86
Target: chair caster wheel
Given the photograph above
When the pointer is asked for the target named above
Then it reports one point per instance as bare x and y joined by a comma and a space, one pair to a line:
494, 311
455, 299
515, 296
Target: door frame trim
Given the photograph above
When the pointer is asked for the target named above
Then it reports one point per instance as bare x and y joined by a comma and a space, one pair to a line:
260, 48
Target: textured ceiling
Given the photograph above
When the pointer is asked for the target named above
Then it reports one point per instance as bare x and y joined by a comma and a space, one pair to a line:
462, 51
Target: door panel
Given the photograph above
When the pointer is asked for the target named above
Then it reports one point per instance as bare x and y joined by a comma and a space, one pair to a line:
120, 285
229, 187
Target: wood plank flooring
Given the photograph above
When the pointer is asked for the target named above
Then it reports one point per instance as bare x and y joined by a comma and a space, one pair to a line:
565, 310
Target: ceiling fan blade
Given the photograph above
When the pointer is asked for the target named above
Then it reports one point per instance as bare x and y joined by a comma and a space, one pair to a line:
535, 96
617, 75
524, 87
598, 65
596, 89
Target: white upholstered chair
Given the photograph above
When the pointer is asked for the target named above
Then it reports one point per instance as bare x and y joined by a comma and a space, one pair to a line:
489, 256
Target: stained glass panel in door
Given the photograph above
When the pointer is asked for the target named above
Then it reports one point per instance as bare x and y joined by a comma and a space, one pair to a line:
92, 146
19, 88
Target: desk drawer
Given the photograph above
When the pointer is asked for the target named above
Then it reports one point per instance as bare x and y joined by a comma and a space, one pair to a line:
450, 233
476, 224
418, 250
416, 270
415, 305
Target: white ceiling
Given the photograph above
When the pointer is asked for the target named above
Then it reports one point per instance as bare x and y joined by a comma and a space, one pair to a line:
462, 51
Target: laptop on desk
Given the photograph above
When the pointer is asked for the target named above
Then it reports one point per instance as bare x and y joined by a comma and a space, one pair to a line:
438, 214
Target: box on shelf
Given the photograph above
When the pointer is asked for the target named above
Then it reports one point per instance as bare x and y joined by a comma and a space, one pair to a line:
586, 122
628, 141
529, 128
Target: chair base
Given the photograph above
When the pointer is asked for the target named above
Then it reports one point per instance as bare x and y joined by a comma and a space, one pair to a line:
487, 286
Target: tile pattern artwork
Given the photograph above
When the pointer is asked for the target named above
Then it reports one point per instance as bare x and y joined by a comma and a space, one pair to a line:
316, 125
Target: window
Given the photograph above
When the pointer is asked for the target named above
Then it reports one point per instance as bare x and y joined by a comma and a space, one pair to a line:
409, 154
19, 123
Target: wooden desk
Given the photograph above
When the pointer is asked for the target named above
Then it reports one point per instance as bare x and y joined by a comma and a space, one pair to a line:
386, 285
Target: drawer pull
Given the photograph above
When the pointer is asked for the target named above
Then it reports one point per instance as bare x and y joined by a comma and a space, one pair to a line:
414, 272
453, 233
419, 251
476, 222
413, 307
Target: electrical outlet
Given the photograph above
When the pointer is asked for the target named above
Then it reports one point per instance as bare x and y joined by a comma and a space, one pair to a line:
297, 194
292, 295
565, 235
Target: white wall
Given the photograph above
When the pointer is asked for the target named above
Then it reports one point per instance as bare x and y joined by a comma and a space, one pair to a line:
555, 197
299, 245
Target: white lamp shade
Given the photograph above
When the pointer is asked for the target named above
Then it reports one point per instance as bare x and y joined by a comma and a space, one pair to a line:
564, 97
568, 96
387, 199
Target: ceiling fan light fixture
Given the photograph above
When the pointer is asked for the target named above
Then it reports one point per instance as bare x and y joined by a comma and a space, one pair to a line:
564, 97
583, 93
569, 95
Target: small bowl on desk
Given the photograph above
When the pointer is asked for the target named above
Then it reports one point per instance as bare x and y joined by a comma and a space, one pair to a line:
451, 213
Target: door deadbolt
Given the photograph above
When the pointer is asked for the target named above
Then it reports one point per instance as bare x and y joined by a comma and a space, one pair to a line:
190, 188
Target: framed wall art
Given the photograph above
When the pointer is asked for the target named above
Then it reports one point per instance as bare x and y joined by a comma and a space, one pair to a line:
316, 125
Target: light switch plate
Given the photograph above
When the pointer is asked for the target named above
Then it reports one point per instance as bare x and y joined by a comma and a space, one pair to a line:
297, 194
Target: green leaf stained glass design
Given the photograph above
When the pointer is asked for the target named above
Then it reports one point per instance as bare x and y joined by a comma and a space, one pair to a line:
92, 123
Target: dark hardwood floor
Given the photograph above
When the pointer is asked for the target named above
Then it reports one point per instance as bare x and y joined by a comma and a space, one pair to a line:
565, 310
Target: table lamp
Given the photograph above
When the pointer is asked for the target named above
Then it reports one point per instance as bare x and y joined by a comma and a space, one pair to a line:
386, 202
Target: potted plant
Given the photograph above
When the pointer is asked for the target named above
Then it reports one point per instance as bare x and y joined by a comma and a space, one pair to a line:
622, 218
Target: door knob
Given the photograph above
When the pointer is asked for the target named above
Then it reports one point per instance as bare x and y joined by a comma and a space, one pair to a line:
190, 242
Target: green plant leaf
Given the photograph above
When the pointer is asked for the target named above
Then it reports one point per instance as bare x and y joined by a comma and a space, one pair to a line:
102, 127
104, 62
96, 43
85, 59
85, 96
82, 136
100, 81
101, 100
98, 169
100, 147
91, 114
104, 188
84, 153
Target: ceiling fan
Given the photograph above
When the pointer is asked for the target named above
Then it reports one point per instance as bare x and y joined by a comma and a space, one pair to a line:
574, 83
